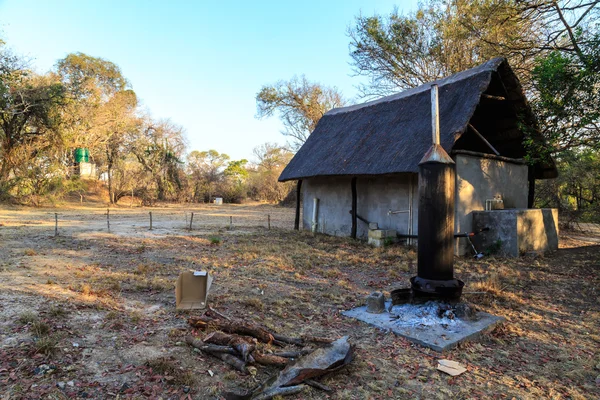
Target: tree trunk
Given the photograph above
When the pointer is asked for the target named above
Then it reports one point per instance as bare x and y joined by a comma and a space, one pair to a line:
110, 186
161, 188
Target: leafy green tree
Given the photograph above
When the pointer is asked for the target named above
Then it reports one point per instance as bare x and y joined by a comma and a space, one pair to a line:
237, 171
568, 98
300, 105
576, 191
28, 113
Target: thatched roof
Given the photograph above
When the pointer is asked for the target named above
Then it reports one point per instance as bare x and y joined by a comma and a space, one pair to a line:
390, 135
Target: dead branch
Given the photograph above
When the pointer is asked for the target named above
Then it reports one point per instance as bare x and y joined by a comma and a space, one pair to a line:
231, 360
200, 345
217, 313
237, 327
270, 359
225, 353
244, 346
288, 340
301, 340
317, 339
293, 354
318, 385
280, 391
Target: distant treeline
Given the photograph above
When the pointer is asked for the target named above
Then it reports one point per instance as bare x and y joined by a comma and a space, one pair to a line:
85, 104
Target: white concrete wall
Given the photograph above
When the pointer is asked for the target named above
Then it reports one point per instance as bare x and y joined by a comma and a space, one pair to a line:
375, 197
478, 179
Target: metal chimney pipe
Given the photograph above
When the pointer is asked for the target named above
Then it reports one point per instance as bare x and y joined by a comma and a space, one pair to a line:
435, 115
435, 273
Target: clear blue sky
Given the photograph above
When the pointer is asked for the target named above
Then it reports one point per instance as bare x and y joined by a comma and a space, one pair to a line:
199, 63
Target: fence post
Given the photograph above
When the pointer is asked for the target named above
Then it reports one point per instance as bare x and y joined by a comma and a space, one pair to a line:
269, 221
55, 224
108, 219
150, 219
230, 222
191, 220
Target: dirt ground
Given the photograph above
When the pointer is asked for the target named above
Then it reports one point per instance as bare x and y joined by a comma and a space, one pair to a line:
91, 313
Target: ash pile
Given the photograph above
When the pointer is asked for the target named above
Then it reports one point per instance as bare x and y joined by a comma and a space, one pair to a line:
433, 313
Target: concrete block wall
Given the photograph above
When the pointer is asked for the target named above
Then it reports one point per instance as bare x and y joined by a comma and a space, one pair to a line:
375, 197
478, 179
518, 231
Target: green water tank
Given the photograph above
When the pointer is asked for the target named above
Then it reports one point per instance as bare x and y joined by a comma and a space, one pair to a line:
82, 155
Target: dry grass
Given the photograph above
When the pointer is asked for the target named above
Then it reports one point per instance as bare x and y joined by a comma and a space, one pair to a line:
28, 317
40, 328
47, 345
57, 312
173, 374
120, 298
30, 252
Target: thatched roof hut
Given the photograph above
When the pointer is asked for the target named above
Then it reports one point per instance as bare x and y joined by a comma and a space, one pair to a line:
391, 134
359, 166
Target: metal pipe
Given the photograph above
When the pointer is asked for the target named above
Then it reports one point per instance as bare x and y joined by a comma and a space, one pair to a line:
435, 119
390, 212
435, 253
315, 214
298, 192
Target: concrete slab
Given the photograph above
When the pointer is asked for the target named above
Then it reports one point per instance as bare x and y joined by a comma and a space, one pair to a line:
422, 324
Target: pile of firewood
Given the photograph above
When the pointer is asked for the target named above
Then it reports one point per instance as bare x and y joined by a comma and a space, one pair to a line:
240, 344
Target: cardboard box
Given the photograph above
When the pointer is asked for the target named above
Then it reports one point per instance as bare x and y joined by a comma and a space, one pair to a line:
191, 290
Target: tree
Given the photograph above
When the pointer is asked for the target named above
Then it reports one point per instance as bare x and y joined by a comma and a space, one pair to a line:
91, 84
271, 159
116, 121
28, 112
300, 105
159, 147
552, 45
441, 38
237, 171
206, 170
576, 191
567, 79
101, 110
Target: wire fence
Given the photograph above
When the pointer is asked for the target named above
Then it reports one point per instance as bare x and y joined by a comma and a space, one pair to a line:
149, 221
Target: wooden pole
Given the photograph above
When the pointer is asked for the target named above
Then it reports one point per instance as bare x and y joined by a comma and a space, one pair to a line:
297, 220
353, 231
108, 219
191, 220
484, 140
150, 219
230, 222
269, 221
55, 224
